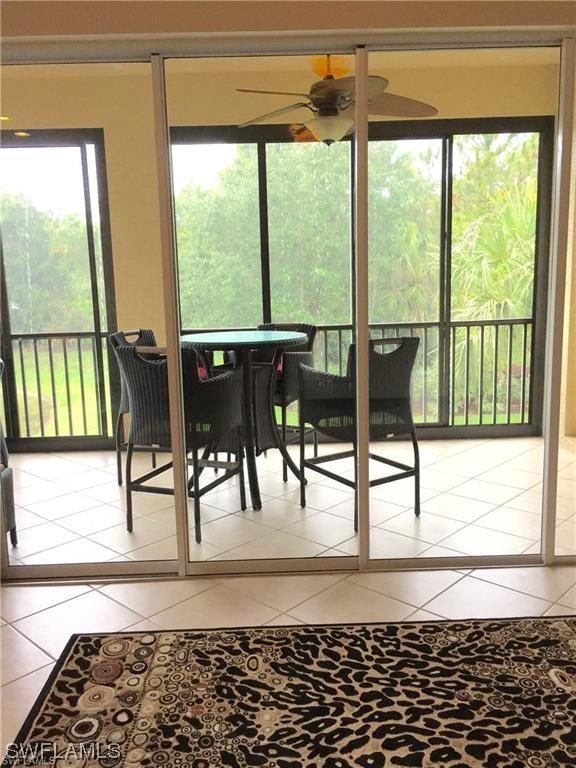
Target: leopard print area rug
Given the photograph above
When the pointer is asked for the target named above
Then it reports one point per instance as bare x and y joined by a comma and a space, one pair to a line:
455, 694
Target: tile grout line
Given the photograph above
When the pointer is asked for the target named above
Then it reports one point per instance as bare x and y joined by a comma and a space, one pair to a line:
32, 642
520, 591
41, 586
420, 607
341, 577
179, 602
33, 672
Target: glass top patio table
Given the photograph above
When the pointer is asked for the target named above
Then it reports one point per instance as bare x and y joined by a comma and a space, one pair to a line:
236, 339
242, 343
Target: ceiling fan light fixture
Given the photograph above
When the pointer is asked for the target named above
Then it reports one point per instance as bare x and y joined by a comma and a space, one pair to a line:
329, 128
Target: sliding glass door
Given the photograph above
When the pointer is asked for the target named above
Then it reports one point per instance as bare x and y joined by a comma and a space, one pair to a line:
458, 249
80, 260
56, 257
266, 158
263, 232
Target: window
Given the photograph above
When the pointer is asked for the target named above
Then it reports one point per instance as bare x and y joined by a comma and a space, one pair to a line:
218, 234
309, 229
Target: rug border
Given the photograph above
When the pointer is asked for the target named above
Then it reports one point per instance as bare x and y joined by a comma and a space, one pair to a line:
60, 662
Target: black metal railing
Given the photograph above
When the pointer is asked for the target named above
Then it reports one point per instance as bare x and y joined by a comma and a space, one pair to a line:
61, 389
482, 371
490, 375
331, 354
475, 372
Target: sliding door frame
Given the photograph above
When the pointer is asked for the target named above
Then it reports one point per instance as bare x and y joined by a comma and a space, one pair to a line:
559, 250
280, 46
74, 139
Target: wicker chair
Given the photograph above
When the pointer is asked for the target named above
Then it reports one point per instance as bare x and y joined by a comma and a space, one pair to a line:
328, 403
7, 485
142, 337
212, 418
286, 384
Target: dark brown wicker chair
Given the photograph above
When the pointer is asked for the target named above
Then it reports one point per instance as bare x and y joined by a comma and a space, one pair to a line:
328, 403
286, 383
7, 485
143, 337
212, 416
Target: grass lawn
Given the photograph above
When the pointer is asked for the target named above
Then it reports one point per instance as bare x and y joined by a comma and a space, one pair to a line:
57, 404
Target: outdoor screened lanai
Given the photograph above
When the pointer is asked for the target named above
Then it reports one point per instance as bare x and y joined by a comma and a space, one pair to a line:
266, 231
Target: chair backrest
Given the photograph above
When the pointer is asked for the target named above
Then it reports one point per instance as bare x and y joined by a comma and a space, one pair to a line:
146, 390
212, 408
146, 383
390, 372
309, 330
141, 337
390, 377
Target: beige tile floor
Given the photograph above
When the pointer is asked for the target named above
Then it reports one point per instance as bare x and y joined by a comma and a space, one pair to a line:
37, 620
479, 497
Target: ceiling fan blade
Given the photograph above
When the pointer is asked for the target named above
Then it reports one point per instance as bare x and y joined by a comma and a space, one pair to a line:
399, 106
273, 93
275, 113
329, 87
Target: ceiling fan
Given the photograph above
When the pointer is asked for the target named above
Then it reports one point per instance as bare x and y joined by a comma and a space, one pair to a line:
331, 97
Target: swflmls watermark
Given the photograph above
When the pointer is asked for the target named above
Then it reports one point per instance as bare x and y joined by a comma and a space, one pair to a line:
51, 752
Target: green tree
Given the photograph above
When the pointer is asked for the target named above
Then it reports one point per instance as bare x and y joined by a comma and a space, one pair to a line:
47, 271
218, 237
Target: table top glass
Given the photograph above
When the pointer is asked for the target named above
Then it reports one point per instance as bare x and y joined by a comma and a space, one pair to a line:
252, 339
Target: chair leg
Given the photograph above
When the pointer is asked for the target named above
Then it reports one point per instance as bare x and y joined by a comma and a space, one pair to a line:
240, 457
284, 465
302, 457
197, 531
118, 448
129, 518
215, 459
13, 537
153, 460
417, 474
315, 442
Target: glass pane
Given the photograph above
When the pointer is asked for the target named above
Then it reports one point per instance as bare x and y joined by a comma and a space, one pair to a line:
263, 226
566, 479
405, 198
71, 493
495, 179
45, 239
217, 234
405, 215
494, 222
309, 222
454, 233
